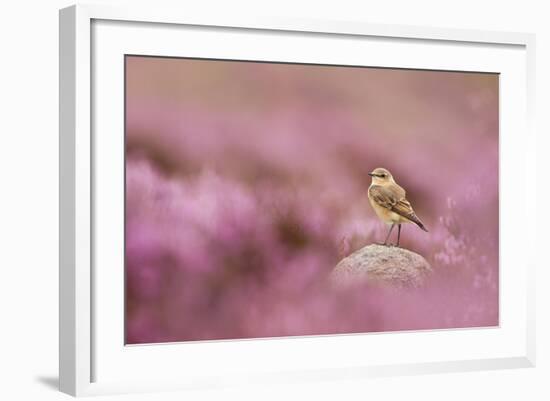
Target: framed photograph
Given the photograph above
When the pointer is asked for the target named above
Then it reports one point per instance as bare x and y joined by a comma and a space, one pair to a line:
277, 200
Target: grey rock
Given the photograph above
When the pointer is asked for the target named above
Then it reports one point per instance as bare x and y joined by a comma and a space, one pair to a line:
384, 265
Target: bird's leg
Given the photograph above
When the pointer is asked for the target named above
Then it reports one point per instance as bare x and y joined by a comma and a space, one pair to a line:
398, 233
388, 236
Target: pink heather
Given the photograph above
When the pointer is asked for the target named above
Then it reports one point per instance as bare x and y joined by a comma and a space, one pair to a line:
240, 200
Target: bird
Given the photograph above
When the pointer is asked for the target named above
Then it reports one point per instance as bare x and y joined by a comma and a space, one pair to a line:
389, 202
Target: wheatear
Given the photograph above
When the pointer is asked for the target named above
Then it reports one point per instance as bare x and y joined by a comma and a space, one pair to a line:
389, 202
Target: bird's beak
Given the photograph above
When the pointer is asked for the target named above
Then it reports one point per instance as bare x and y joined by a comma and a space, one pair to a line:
371, 174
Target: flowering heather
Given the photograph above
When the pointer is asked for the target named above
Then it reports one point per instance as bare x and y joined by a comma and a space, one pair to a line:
246, 184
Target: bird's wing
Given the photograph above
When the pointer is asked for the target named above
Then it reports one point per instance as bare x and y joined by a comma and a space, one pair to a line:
387, 196
392, 197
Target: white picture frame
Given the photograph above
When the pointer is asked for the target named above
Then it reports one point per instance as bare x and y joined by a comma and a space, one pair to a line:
91, 37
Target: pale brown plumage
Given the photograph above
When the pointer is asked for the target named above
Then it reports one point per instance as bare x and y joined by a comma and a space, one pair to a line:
390, 203
392, 197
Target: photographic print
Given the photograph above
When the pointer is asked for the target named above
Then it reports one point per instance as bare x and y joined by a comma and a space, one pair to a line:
267, 199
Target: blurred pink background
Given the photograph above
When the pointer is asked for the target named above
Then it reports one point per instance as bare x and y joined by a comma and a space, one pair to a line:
247, 182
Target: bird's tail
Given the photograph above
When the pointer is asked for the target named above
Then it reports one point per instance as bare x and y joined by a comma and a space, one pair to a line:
421, 225
417, 221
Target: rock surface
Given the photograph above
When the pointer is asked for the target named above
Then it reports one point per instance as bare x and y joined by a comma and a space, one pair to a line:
380, 264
